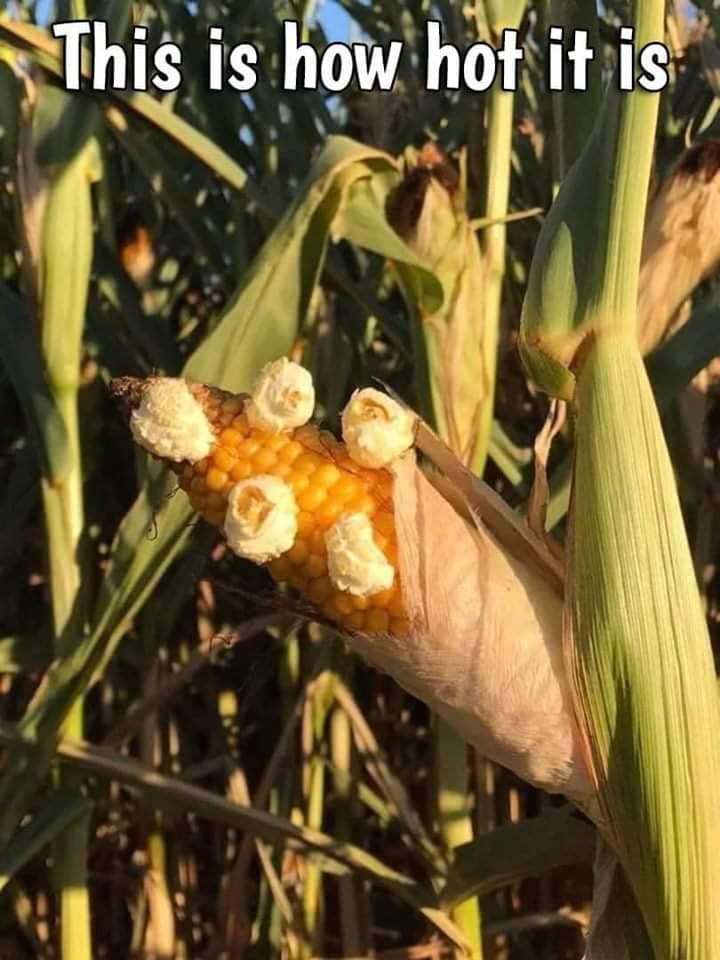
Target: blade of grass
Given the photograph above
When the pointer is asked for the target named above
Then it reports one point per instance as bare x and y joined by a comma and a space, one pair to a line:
273, 296
169, 793
514, 851
24, 367
60, 810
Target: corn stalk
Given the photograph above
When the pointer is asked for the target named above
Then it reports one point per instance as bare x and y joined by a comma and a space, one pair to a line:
635, 635
500, 111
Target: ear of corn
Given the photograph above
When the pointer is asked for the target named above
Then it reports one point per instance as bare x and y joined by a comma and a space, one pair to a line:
455, 346
455, 588
327, 484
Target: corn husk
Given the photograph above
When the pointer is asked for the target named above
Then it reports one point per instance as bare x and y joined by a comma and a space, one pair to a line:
484, 650
681, 247
428, 211
636, 634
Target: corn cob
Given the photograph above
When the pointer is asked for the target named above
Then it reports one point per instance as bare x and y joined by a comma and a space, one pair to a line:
332, 493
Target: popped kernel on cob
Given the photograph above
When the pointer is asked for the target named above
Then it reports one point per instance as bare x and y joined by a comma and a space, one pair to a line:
235, 488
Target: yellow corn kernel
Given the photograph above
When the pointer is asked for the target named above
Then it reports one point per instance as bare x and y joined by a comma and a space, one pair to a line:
264, 459
281, 568
230, 438
280, 469
312, 498
291, 451
316, 541
328, 512
224, 460
355, 621
326, 475
299, 482
316, 565
343, 604
241, 471
298, 554
326, 483
377, 621
320, 590
216, 479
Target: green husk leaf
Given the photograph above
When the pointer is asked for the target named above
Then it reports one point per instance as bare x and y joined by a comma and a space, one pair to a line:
455, 348
362, 221
584, 274
636, 641
641, 660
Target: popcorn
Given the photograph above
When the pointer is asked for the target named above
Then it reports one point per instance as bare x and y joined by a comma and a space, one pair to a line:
261, 518
355, 563
376, 428
283, 397
169, 422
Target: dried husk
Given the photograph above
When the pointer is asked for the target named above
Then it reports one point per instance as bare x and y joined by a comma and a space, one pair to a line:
429, 213
681, 247
485, 648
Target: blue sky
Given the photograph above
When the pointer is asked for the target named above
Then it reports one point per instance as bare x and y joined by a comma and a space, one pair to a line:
334, 19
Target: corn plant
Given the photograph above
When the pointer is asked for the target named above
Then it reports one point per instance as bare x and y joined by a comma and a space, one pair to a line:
196, 758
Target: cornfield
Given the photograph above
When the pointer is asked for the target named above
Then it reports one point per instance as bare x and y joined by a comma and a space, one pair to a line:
359, 475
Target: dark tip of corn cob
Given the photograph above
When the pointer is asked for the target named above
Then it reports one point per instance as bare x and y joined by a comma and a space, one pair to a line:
127, 393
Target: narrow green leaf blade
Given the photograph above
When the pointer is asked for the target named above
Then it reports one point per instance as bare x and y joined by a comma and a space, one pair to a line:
62, 808
23, 364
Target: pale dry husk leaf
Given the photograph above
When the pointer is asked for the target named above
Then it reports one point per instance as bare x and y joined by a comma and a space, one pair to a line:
681, 246
484, 650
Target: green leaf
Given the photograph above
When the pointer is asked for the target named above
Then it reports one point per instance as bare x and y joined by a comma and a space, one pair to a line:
503, 14
24, 654
511, 852
169, 793
584, 273
21, 357
674, 364
260, 324
62, 808
575, 111
9, 113
362, 221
